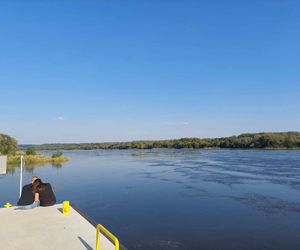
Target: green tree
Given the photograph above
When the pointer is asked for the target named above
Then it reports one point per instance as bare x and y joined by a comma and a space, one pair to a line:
57, 154
8, 145
31, 151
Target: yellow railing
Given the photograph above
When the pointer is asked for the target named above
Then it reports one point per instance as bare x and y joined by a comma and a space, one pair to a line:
100, 229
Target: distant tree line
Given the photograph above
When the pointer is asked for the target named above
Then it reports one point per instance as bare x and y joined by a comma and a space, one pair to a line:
8, 144
284, 140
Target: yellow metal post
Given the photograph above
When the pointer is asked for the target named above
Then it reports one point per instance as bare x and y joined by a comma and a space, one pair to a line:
66, 207
100, 229
7, 205
97, 238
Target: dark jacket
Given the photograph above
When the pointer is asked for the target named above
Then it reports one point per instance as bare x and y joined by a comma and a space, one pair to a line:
27, 196
47, 197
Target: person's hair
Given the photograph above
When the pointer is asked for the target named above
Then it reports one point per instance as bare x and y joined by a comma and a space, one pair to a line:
38, 186
35, 185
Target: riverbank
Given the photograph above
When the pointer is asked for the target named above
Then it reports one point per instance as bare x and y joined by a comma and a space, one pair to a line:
36, 159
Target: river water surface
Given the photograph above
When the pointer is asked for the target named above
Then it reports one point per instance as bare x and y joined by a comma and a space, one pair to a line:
181, 199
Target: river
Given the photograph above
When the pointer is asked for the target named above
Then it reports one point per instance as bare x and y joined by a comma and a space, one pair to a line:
181, 199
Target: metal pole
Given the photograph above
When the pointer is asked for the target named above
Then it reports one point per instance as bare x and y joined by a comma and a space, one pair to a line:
21, 175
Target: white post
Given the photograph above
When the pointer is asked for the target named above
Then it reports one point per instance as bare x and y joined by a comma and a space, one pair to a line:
3, 164
21, 175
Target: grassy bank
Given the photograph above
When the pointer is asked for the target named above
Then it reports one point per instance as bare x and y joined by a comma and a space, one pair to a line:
37, 159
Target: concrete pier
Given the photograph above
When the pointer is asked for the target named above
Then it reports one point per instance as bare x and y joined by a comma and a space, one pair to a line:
48, 228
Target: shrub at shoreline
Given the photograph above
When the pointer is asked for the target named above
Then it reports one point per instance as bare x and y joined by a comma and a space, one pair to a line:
36, 159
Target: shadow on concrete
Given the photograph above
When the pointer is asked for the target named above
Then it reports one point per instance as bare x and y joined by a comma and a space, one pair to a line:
60, 210
87, 246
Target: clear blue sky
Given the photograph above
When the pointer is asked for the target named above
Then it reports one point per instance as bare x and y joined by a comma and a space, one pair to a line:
86, 71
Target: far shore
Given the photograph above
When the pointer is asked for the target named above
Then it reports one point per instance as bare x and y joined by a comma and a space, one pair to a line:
264, 140
191, 148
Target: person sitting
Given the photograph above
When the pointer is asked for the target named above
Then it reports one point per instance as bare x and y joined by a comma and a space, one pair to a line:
27, 197
43, 193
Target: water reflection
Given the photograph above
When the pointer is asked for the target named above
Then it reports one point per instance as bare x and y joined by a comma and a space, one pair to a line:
57, 166
29, 168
